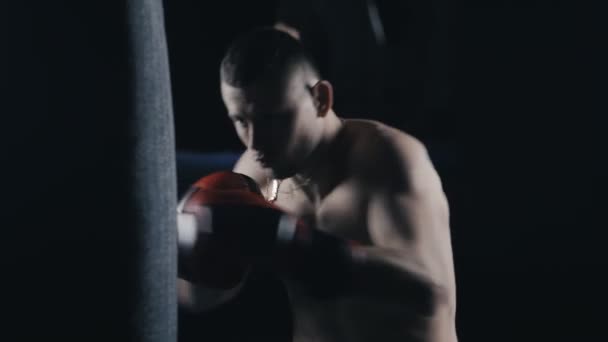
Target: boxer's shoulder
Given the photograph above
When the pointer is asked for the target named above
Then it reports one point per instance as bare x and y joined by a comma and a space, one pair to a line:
380, 152
372, 137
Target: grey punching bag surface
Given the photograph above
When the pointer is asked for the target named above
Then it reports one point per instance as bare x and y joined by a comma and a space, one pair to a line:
87, 251
154, 175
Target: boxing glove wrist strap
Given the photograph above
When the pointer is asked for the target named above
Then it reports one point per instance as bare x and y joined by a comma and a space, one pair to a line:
320, 262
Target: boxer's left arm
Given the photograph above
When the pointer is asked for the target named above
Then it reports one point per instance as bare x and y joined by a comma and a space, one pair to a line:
406, 208
400, 265
407, 219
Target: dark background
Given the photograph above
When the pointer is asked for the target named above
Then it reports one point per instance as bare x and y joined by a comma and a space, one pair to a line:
507, 95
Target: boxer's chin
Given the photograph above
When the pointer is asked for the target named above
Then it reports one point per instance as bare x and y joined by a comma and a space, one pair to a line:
281, 171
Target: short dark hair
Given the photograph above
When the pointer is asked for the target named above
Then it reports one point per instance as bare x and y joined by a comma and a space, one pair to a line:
262, 53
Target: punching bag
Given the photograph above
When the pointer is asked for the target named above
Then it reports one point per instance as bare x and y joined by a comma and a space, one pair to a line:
87, 251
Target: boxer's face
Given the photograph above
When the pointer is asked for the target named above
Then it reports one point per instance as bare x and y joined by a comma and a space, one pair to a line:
277, 120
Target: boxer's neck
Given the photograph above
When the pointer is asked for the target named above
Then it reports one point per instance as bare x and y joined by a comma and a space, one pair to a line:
317, 164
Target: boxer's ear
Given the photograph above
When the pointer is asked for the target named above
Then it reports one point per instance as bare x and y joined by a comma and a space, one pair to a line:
292, 31
323, 95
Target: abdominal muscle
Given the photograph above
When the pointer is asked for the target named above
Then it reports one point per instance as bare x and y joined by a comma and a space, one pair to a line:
352, 319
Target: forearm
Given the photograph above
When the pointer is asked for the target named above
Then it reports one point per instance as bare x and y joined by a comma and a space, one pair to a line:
328, 266
386, 274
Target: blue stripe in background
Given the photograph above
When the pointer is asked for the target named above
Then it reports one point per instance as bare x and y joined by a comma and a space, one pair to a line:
191, 166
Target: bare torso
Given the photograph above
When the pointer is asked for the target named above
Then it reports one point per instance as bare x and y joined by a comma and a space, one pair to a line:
341, 210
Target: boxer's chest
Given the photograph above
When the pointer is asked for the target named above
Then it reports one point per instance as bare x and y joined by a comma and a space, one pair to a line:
342, 211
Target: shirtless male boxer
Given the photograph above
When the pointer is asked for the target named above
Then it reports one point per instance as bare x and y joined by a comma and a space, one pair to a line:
379, 267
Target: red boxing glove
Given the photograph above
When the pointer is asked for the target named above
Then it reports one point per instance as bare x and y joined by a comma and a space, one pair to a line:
224, 222
203, 258
230, 207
